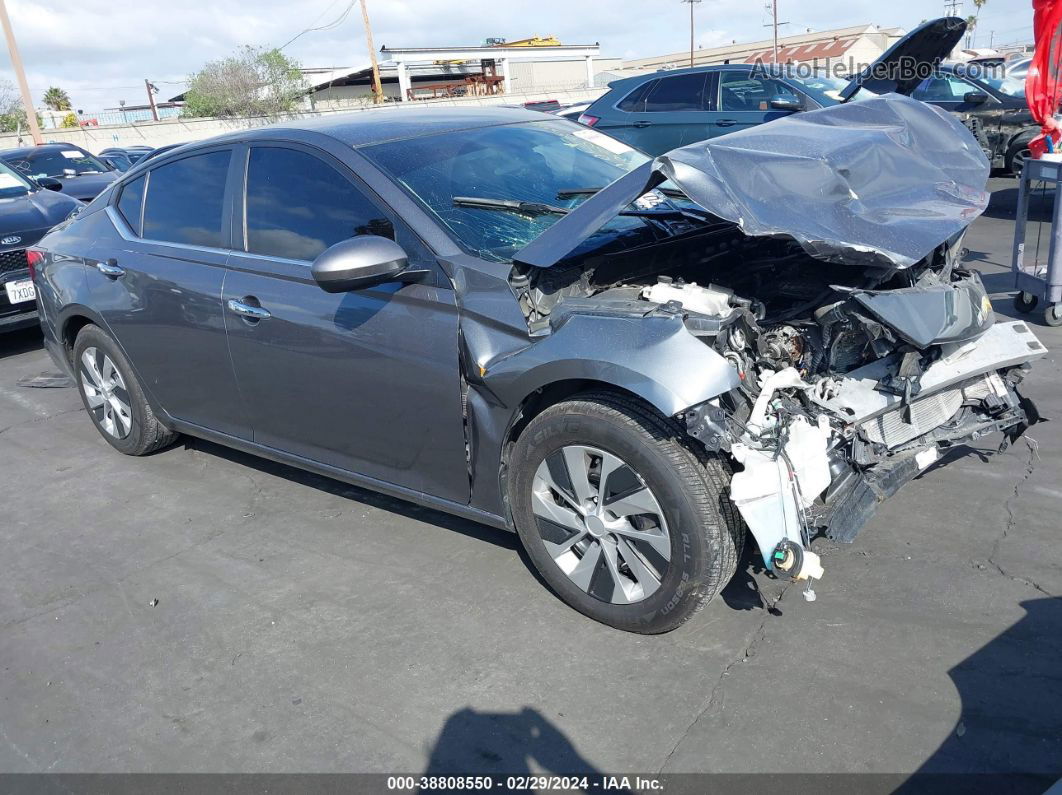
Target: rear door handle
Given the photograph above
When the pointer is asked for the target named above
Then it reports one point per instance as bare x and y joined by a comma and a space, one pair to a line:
248, 311
726, 123
643, 124
110, 268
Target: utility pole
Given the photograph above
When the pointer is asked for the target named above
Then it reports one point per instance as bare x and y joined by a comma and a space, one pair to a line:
692, 3
774, 24
377, 89
20, 74
951, 7
151, 98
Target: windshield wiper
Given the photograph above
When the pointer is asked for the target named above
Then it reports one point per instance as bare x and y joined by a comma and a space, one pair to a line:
530, 209
571, 193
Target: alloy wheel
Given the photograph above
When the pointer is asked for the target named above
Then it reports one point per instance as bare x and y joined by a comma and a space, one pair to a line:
601, 524
105, 393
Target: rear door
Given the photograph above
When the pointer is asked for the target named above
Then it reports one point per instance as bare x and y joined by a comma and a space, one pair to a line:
665, 113
367, 381
744, 100
158, 282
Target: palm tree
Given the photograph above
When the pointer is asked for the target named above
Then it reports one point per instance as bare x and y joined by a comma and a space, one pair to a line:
977, 13
57, 99
971, 23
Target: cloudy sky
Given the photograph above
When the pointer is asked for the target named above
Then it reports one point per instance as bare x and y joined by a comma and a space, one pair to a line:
100, 51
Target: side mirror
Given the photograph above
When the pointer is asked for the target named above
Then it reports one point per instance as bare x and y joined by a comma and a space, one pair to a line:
359, 262
791, 104
51, 183
975, 97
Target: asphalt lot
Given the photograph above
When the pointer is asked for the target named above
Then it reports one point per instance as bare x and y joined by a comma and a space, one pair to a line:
305, 625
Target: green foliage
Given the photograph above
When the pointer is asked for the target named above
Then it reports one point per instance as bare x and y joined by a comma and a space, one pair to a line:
70, 120
57, 99
253, 82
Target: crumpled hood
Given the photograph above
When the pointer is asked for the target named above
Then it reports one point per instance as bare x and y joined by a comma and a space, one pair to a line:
879, 182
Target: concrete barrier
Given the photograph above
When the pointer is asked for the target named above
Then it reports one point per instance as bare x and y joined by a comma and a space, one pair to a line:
185, 130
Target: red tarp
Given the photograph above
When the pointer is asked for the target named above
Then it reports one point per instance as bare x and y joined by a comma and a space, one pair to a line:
1043, 85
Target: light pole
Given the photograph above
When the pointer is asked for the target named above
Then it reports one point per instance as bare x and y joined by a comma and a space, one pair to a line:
691, 2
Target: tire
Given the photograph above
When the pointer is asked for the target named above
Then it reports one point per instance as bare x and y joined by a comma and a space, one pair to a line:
113, 397
1053, 315
1017, 154
670, 498
1025, 302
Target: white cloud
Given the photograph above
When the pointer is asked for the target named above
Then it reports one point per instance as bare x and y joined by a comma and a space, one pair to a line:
101, 50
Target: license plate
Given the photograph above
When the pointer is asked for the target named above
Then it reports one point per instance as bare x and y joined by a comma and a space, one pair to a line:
20, 292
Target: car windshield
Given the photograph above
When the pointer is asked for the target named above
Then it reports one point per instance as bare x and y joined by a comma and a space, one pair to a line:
13, 184
57, 163
534, 162
1009, 82
823, 87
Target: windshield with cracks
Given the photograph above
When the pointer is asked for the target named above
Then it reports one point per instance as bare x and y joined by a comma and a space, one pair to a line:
465, 177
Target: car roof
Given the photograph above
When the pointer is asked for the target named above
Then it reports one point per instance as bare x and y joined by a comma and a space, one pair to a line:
364, 128
25, 150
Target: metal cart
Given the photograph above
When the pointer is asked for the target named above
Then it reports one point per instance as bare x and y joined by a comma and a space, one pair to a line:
1039, 277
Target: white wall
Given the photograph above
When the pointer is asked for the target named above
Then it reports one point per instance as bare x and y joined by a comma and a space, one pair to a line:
173, 131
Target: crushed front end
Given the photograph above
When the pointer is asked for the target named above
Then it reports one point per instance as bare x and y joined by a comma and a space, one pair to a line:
821, 257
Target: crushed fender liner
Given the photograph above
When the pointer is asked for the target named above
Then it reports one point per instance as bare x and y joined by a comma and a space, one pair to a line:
879, 182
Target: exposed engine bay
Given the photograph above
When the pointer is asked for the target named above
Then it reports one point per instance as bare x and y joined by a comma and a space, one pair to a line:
852, 380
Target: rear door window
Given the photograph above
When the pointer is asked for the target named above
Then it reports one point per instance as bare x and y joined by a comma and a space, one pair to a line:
131, 202
186, 200
679, 93
634, 102
298, 205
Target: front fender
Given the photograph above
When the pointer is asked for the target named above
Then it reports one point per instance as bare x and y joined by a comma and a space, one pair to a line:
654, 357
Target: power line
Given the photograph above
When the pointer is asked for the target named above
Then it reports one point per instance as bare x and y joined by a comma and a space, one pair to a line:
333, 24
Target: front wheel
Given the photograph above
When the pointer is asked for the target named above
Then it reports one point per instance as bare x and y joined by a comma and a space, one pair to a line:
621, 516
1025, 302
113, 397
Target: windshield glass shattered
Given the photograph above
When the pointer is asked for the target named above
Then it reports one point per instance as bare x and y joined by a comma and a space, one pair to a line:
553, 163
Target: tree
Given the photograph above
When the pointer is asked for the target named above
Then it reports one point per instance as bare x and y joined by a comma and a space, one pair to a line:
12, 114
252, 82
70, 120
57, 99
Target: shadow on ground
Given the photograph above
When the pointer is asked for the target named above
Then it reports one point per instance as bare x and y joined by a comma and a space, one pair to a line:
1010, 688
505, 744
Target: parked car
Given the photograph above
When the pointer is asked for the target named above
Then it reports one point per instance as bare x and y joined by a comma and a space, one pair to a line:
137, 153
573, 111
160, 150
28, 209
81, 175
990, 100
116, 158
516, 319
663, 110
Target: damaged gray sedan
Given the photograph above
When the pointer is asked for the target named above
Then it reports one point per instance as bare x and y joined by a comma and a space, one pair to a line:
527, 323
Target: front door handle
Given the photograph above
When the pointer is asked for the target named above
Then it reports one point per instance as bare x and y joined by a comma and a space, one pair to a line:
110, 268
643, 124
726, 123
248, 311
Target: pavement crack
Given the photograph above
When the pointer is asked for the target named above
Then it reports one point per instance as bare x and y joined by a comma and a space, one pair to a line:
715, 697
1012, 520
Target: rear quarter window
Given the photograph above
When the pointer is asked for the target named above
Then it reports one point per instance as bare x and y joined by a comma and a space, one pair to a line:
131, 202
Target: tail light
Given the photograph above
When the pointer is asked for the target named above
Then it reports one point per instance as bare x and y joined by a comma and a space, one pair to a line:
34, 257
589, 120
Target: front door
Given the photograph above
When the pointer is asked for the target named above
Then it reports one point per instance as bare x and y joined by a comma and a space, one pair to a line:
744, 101
367, 381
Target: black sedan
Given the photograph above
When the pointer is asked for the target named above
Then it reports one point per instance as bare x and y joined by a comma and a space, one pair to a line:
82, 175
990, 101
27, 211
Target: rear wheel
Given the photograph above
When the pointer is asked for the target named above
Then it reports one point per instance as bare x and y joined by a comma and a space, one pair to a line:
1053, 315
1017, 154
112, 396
620, 515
